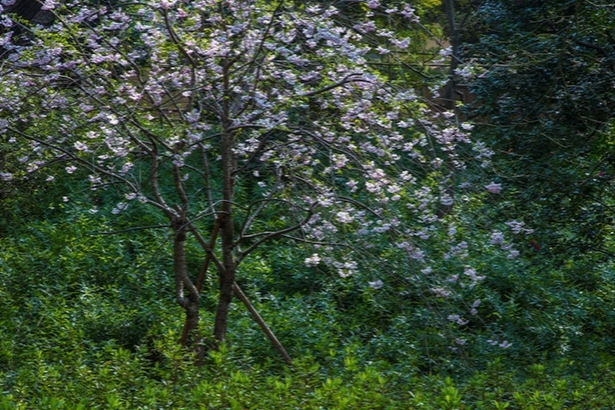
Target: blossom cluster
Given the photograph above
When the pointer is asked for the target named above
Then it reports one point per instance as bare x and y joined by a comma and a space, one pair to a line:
498, 238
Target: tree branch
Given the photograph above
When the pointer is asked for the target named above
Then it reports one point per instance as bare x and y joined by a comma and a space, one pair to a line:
274, 340
270, 235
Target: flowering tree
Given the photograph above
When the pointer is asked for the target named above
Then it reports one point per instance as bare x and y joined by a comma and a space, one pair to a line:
241, 122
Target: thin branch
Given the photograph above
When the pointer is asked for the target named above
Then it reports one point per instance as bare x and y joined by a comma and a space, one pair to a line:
274, 340
141, 228
350, 78
258, 150
359, 204
208, 249
206, 262
264, 37
179, 187
270, 235
207, 178
251, 217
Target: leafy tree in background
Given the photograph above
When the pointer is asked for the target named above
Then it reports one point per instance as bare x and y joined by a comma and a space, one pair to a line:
244, 122
543, 76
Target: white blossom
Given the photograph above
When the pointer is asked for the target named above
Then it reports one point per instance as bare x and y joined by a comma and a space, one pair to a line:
377, 284
494, 188
313, 260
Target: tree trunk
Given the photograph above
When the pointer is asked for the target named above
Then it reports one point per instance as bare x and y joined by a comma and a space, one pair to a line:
227, 276
189, 302
191, 324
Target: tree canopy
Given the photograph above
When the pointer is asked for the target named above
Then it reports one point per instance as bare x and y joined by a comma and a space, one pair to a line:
251, 121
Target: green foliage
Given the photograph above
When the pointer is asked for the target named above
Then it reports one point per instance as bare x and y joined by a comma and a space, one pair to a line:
544, 97
93, 328
87, 331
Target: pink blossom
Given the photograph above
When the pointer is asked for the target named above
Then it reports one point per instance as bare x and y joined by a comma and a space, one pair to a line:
166, 4
50, 5
5, 21
377, 284
505, 344
519, 227
446, 200
119, 208
457, 319
401, 43
81, 146
313, 260
6, 176
441, 292
408, 12
497, 238
344, 217
352, 184
494, 188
